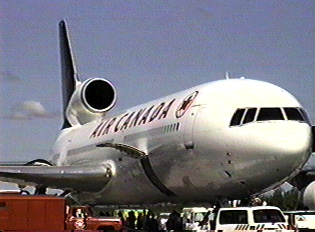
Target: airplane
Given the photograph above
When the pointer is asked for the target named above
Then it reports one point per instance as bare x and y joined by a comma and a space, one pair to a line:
225, 139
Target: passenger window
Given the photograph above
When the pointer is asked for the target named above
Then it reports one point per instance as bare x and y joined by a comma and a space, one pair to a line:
268, 215
294, 114
250, 115
266, 114
305, 116
237, 117
233, 217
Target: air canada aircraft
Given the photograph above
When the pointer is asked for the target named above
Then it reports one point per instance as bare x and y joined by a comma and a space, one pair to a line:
226, 139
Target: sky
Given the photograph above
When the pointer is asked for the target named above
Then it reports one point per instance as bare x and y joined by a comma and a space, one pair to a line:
147, 49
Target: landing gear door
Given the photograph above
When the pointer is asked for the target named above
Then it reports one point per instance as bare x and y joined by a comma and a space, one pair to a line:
187, 111
189, 127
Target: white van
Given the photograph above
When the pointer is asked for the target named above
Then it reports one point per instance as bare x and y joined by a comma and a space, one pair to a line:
250, 218
193, 217
303, 220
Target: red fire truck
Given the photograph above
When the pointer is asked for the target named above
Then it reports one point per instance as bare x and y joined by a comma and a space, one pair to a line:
42, 212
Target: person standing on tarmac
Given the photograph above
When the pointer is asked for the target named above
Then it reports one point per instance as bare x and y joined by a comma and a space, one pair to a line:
174, 221
131, 219
152, 224
140, 221
205, 220
121, 216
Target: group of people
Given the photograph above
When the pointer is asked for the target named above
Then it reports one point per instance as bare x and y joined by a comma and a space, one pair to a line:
149, 221
141, 222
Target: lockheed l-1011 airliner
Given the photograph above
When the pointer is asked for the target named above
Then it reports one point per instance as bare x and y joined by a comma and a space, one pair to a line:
221, 140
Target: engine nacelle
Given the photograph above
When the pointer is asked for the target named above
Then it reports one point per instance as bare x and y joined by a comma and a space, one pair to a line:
90, 101
309, 196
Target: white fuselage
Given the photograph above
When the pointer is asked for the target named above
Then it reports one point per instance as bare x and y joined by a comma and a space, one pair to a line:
194, 154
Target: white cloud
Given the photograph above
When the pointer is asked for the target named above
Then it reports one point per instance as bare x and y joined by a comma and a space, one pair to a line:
28, 110
33, 108
18, 116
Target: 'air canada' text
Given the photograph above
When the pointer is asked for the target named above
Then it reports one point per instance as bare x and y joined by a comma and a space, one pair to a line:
133, 119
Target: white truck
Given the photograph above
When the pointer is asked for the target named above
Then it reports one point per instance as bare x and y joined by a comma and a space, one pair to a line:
303, 220
193, 217
241, 218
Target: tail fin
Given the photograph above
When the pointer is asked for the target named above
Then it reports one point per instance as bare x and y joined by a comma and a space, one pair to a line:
68, 69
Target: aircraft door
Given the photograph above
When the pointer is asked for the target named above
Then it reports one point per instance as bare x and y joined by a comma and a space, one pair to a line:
189, 127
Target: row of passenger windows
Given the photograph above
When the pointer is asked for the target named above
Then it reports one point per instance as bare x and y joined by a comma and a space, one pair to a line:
171, 128
247, 115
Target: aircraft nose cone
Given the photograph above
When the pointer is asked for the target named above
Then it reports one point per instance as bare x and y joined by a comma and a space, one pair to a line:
272, 154
287, 147
290, 142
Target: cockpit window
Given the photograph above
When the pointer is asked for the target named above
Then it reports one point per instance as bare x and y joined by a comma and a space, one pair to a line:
237, 117
305, 116
247, 115
293, 114
267, 114
250, 115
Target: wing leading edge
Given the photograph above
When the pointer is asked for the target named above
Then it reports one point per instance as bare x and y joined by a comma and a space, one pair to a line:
87, 178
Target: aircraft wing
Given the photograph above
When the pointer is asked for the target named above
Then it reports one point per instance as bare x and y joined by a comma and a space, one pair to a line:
13, 163
88, 178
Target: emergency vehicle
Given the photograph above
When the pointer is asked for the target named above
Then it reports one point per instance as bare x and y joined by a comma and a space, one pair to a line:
250, 218
240, 218
43, 212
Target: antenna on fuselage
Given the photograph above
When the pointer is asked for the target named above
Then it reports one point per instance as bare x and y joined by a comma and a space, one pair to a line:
227, 75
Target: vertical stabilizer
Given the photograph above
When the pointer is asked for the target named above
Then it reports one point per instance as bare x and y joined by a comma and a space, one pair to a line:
68, 69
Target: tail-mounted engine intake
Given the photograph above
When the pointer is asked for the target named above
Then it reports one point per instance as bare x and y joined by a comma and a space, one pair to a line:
90, 100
